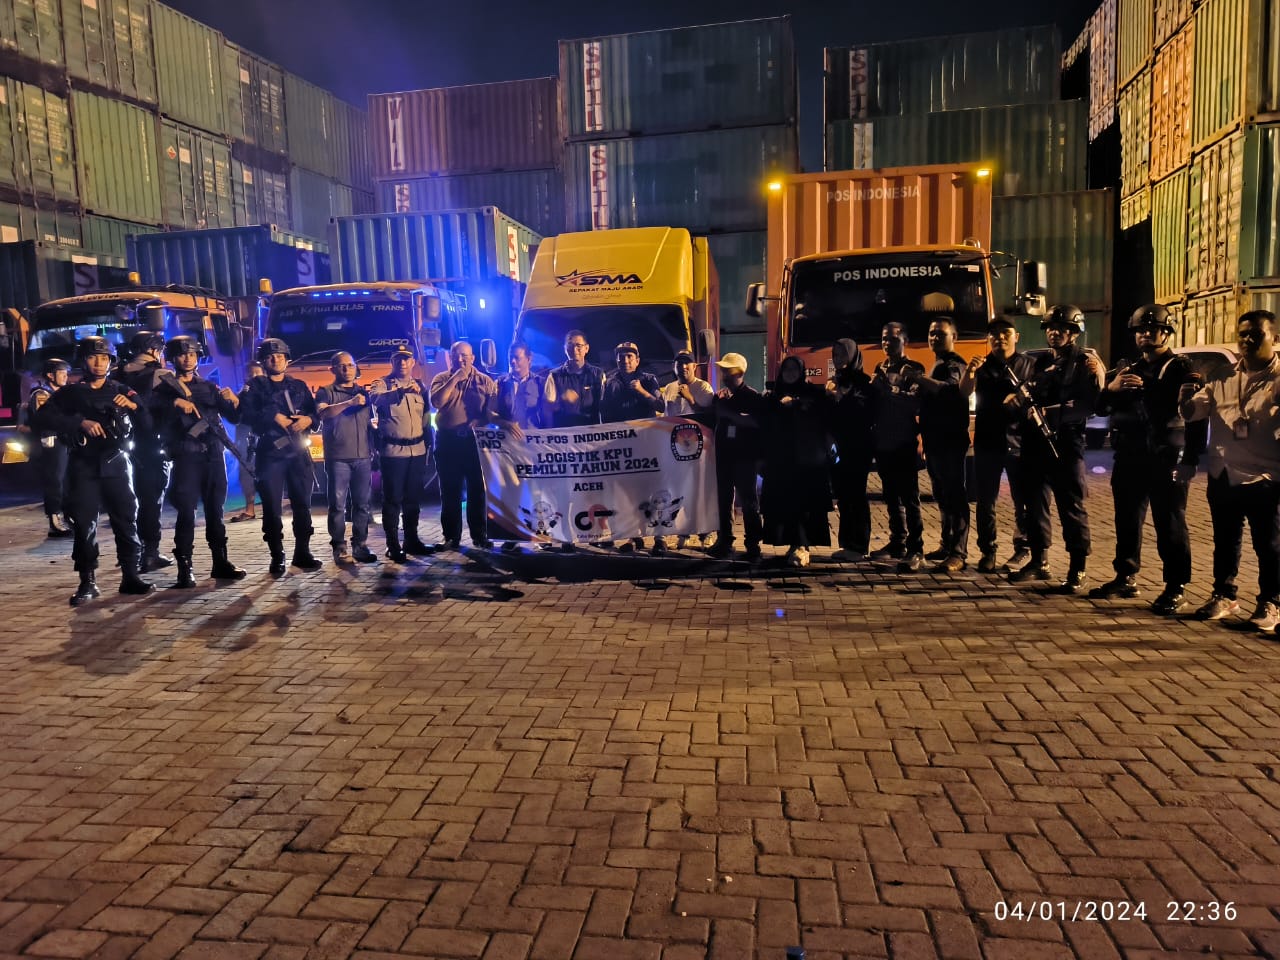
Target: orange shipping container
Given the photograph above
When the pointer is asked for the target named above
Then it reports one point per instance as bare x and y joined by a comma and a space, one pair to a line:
1171, 103
1170, 15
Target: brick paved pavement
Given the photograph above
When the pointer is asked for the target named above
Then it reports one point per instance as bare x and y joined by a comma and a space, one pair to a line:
451, 760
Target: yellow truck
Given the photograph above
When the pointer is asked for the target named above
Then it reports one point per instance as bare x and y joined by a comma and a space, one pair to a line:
654, 286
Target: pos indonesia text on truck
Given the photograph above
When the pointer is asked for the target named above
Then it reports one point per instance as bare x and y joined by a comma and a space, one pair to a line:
655, 286
850, 251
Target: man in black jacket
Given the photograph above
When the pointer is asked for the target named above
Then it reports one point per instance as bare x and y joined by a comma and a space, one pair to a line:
151, 463
739, 410
944, 427
896, 392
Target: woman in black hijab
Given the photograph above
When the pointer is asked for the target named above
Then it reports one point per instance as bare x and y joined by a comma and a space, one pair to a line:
851, 419
797, 492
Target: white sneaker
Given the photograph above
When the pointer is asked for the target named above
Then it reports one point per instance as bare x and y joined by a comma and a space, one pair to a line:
1266, 617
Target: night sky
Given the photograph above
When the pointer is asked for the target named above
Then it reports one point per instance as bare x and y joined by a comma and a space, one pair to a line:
358, 47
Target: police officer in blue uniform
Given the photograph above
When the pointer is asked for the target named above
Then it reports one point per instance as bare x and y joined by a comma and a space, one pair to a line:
48, 452
151, 464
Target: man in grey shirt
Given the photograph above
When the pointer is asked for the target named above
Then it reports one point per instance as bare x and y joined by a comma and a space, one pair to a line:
345, 419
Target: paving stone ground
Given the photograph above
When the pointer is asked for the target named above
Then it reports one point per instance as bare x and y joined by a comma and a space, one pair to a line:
596, 757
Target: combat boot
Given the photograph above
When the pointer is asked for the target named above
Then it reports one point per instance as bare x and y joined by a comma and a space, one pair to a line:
277, 567
224, 569
302, 558
130, 582
88, 589
1034, 569
58, 526
1075, 578
185, 581
153, 559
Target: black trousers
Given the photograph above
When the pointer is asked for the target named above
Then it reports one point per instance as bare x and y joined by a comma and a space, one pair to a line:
51, 468
1230, 506
945, 460
95, 482
736, 476
199, 478
1064, 478
988, 465
292, 471
402, 480
1136, 481
900, 482
849, 484
150, 479
458, 463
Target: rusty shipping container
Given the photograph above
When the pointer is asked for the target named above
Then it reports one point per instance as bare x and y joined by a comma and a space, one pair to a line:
1135, 31
189, 66
36, 154
959, 72
1169, 235
533, 197
1135, 208
1102, 68
684, 79
1237, 72
116, 158
1171, 103
482, 128
32, 29
1168, 16
1134, 107
1214, 221
254, 89
109, 44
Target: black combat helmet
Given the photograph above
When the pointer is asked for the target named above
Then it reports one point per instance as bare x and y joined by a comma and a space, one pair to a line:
180, 345
145, 340
271, 346
1151, 315
54, 364
1066, 315
93, 347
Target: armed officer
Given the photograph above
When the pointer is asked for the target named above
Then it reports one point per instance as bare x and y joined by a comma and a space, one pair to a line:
97, 418
192, 408
48, 452
151, 464
281, 411
1058, 399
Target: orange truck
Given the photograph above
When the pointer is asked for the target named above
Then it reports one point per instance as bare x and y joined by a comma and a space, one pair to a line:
852, 250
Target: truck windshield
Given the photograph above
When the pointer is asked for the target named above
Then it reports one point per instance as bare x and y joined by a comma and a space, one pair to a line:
659, 330
55, 332
855, 297
367, 329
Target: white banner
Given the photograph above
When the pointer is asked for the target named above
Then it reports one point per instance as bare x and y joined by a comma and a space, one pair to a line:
612, 481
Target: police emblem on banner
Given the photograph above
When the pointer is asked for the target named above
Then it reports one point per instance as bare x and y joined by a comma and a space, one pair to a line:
687, 442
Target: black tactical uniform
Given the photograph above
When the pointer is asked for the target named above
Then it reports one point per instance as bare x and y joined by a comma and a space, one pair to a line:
1151, 443
48, 452
282, 459
99, 473
199, 470
944, 428
1065, 390
151, 464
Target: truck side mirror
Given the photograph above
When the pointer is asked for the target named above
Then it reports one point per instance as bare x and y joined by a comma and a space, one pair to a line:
706, 345
755, 299
488, 354
1033, 284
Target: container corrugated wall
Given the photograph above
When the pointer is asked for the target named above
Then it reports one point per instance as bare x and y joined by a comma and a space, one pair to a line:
36, 156
1237, 74
963, 71
689, 78
359, 159
1216, 190
32, 29
1071, 233
116, 158
310, 118
1135, 208
105, 235
195, 178
1135, 27
259, 196
230, 261
1102, 68
48, 226
712, 181
1211, 319
1135, 135
312, 200
189, 64
533, 197
1171, 103
109, 44
1169, 235
254, 89
1169, 16
1260, 227
739, 260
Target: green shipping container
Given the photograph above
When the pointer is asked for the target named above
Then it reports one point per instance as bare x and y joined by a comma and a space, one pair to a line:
190, 69
311, 118
254, 89
1135, 26
1134, 106
316, 199
1073, 234
1260, 215
1032, 148
107, 236
739, 260
1096, 336
1214, 215
117, 158
32, 29
689, 78
36, 156
195, 178
109, 45
706, 182
533, 197
1169, 235
47, 226
1237, 72
752, 347
260, 196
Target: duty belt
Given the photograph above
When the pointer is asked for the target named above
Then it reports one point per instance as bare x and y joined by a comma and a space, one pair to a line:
411, 442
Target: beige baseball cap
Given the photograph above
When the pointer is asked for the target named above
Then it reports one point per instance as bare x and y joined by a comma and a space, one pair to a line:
732, 361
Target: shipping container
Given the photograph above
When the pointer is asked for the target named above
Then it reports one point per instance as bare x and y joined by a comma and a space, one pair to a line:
958, 72
107, 236
1169, 17
1171, 103
1073, 234
195, 178
259, 196
1169, 235
1031, 148
1135, 28
752, 347
1216, 188
533, 197
1135, 135
688, 78
231, 261
47, 226
739, 260
36, 156
32, 272
483, 128
189, 62
1260, 218
109, 45
315, 199
32, 29
310, 118
1135, 209
1102, 68
1237, 72
706, 182
116, 159
1213, 319
254, 89
359, 159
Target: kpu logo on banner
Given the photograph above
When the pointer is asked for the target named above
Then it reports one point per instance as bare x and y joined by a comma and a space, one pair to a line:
687, 442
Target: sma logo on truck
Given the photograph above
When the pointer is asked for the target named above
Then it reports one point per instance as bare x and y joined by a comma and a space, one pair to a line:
598, 278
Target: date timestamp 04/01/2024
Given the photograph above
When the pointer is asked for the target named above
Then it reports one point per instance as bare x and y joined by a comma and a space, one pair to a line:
1117, 911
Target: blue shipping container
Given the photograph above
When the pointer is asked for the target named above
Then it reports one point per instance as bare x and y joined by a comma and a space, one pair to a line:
230, 261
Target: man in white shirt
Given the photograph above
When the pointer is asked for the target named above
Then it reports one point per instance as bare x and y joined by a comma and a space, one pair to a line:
687, 395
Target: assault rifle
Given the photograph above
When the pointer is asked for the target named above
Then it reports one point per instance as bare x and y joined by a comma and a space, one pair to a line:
1034, 412
203, 426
